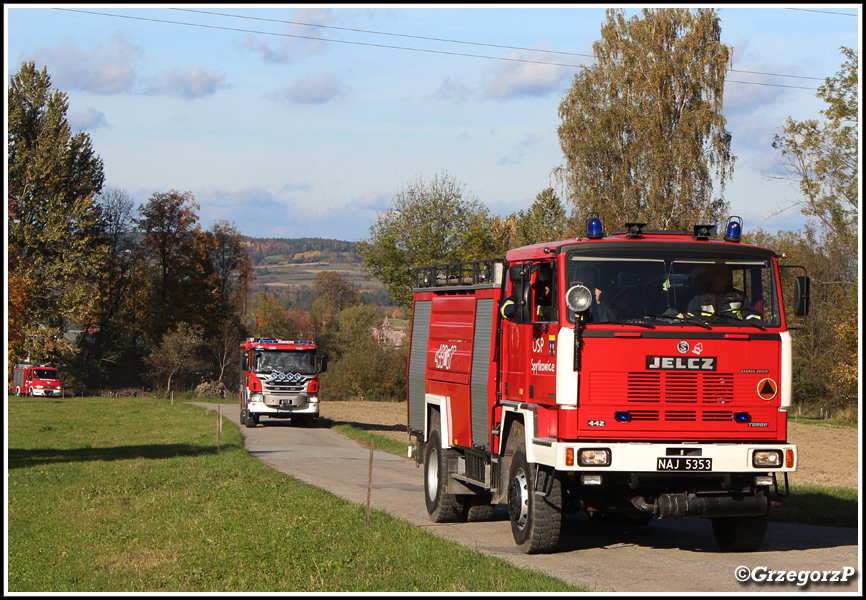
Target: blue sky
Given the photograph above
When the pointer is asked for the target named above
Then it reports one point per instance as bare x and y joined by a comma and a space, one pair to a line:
304, 121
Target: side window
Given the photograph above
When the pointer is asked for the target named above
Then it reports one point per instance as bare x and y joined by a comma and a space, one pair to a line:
545, 304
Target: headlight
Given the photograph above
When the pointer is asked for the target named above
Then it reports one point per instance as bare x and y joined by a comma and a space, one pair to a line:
767, 459
593, 457
257, 398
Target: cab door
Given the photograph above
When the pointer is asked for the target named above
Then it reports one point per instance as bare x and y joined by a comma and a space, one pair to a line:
541, 367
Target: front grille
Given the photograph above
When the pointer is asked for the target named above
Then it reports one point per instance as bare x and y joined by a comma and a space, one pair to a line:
662, 388
670, 397
285, 388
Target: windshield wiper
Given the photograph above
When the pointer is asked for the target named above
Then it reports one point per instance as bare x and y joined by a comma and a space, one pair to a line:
732, 317
677, 317
634, 321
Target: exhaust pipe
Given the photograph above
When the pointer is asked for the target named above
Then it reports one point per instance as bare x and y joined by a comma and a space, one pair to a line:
682, 506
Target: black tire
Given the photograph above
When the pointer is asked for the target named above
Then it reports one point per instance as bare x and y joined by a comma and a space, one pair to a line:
536, 518
251, 421
478, 508
739, 534
441, 507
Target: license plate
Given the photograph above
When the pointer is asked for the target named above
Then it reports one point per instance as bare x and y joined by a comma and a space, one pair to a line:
682, 463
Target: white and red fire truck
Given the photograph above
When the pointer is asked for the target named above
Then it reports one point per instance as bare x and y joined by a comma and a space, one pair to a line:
280, 379
615, 387
36, 380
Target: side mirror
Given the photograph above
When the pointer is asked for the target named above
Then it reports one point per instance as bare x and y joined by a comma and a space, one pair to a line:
801, 295
323, 362
521, 291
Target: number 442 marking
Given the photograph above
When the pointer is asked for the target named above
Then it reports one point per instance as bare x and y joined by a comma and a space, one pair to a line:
595, 423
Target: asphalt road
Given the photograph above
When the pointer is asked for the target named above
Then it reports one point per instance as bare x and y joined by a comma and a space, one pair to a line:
664, 557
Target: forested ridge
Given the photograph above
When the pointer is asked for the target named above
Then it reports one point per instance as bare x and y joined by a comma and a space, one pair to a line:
300, 250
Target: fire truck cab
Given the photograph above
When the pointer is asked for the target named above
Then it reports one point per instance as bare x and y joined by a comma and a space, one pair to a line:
640, 375
280, 379
36, 380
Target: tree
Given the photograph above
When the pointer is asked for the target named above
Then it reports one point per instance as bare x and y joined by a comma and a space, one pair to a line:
228, 258
335, 293
544, 221
270, 319
430, 223
642, 133
176, 353
362, 366
822, 159
826, 351
177, 254
108, 347
52, 223
223, 346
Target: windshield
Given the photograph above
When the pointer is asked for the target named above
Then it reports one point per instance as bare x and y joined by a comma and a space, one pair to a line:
285, 361
681, 289
45, 373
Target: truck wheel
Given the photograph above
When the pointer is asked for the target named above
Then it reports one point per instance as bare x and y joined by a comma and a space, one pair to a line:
739, 534
536, 519
251, 420
478, 508
442, 507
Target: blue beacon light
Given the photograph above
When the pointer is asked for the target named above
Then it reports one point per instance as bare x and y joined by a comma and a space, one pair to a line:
594, 229
734, 229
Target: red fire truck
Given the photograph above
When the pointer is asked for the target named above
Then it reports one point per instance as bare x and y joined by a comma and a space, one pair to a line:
280, 379
636, 375
36, 380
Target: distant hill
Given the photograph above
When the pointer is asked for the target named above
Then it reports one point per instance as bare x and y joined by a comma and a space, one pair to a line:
281, 251
286, 268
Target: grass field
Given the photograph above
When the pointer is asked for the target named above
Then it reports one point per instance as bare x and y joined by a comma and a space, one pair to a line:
133, 495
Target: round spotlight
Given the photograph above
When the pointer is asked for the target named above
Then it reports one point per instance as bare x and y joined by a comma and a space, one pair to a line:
578, 298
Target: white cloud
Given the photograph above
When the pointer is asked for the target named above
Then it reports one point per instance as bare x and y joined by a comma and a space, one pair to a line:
453, 89
88, 119
520, 79
746, 98
193, 84
98, 69
374, 201
317, 89
299, 41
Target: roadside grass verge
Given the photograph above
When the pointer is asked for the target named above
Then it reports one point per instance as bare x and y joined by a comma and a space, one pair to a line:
364, 438
818, 505
131, 495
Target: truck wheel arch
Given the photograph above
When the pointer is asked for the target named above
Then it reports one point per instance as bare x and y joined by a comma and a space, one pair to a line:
526, 419
437, 408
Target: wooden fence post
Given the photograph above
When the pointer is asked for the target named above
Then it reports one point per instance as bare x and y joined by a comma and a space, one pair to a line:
369, 482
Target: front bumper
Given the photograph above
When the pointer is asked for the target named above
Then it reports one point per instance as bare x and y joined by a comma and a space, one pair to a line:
285, 406
47, 392
645, 457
